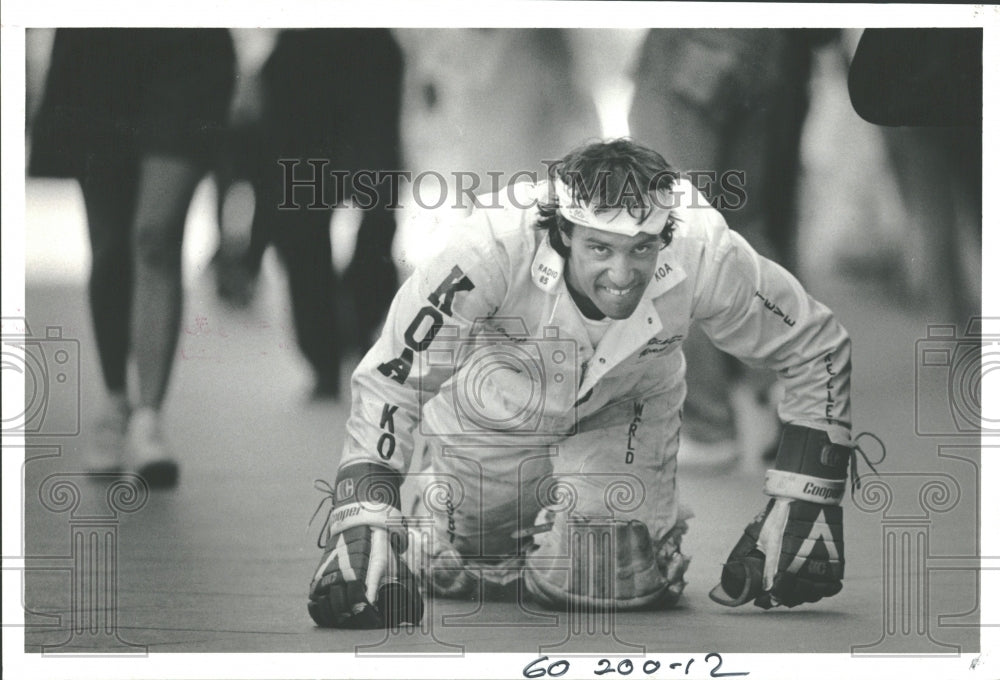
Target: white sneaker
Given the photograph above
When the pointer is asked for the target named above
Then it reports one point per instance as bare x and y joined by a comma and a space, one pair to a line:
146, 450
693, 454
105, 446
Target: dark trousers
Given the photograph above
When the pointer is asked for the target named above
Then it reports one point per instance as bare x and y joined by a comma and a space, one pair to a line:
332, 95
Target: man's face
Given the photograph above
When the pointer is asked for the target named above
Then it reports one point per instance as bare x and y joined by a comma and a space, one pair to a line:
608, 273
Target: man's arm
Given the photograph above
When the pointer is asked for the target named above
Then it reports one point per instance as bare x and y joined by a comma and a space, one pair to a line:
465, 282
757, 311
793, 551
362, 580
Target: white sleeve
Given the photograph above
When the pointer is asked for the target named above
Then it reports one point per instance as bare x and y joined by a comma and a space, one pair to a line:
466, 282
757, 311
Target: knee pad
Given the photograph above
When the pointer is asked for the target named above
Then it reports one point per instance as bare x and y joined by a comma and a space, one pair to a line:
437, 539
444, 572
438, 566
604, 563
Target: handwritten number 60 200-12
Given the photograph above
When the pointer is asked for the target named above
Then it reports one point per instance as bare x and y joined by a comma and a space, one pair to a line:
559, 667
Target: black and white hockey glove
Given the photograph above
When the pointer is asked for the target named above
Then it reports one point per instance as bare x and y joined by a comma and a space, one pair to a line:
362, 580
793, 551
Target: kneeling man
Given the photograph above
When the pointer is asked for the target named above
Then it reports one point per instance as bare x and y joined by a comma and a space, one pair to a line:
536, 361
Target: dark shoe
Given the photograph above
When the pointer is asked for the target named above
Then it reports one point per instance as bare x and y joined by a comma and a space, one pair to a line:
235, 282
326, 389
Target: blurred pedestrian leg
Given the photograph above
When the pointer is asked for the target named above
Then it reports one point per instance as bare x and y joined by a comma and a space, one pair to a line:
134, 115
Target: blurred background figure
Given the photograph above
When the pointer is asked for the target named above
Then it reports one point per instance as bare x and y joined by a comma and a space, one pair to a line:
714, 101
923, 87
134, 115
330, 95
479, 101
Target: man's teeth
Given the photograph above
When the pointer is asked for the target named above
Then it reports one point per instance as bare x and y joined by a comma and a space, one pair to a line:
621, 292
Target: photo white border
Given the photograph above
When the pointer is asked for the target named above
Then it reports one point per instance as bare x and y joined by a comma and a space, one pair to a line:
524, 13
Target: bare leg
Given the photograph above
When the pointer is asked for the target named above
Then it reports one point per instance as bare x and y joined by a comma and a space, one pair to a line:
109, 194
166, 185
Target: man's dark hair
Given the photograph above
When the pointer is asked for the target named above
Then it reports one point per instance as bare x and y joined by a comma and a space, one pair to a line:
608, 176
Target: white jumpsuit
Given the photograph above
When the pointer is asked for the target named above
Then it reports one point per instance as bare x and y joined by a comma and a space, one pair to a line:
486, 356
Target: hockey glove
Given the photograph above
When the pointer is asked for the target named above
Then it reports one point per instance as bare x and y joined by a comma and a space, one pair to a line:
362, 580
793, 551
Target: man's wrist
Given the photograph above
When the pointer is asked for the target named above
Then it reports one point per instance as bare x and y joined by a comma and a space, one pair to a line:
808, 467
783, 484
368, 494
368, 484
808, 451
358, 514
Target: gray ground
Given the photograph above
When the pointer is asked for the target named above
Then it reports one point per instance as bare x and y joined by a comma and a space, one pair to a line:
223, 562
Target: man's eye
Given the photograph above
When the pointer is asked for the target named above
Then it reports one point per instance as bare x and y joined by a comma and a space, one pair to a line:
641, 250
600, 250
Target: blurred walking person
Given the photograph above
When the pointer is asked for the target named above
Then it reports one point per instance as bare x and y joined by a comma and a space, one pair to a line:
923, 87
327, 104
134, 115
